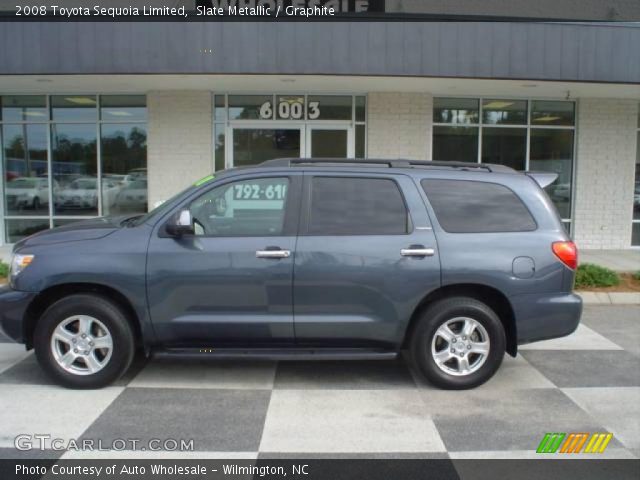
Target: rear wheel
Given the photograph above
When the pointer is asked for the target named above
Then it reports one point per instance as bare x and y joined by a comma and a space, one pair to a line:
458, 343
84, 341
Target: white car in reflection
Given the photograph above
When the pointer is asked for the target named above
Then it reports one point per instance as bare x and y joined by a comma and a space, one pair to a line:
28, 192
83, 193
133, 197
562, 191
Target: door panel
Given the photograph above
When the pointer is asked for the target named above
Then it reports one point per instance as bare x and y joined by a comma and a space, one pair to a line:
215, 288
360, 290
328, 143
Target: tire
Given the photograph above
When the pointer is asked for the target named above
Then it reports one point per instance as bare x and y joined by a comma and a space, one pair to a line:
451, 371
88, 366
36, 203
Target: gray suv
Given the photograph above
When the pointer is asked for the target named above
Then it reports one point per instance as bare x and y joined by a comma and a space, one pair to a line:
457, 263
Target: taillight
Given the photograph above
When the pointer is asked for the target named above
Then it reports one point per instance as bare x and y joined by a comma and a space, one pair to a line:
567, 252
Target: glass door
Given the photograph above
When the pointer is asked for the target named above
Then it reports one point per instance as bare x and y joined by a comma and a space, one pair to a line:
329, 142
253, 145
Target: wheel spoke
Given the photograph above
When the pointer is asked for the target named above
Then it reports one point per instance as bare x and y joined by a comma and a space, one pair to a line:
92, 362
103, 342
84, 325
463, 364
468, 327
445, 332
443, 356
63, 335
481, 348
68, 359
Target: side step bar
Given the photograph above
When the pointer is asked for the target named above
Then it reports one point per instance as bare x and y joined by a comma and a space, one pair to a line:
278, 354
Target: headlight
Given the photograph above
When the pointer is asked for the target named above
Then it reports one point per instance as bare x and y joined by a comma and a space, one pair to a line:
18, 263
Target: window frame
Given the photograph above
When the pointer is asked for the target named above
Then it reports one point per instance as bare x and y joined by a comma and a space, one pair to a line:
305, 218
528, 126
492, 232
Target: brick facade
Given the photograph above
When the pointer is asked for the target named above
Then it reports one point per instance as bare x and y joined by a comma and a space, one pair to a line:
179, 141
399, 125
605, 171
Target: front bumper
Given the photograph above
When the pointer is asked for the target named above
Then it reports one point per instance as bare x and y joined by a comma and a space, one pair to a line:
13, 305
545, 316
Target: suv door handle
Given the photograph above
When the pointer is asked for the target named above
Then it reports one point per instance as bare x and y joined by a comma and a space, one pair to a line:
273, 253
417, 251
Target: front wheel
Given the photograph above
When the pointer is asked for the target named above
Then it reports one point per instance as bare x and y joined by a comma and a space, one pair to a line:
458, 343
84, 341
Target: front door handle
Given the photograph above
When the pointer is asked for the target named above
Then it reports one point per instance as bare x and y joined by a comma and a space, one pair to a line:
417, 251
273, 253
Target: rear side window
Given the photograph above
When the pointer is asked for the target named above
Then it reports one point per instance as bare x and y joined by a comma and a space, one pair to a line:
356, 206
464, 206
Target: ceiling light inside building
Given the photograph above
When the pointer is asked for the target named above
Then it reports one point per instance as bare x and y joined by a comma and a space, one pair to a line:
547, 118
497, 105
81, 100
118, 113
34, 114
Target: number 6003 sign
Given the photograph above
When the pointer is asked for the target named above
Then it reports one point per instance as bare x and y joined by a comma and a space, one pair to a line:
288, 110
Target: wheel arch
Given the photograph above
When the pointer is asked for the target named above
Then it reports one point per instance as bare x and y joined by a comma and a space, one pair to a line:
52, 294
491, 296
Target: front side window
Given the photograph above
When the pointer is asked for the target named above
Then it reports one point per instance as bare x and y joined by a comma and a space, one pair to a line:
356, 206
247, 208
464, 206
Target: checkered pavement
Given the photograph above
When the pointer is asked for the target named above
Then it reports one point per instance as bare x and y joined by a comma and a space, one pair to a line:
588, 382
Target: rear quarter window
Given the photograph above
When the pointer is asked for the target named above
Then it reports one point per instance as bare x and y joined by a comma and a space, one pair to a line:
465, 206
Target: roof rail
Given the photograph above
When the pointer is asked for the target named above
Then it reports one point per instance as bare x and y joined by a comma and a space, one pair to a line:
391, 163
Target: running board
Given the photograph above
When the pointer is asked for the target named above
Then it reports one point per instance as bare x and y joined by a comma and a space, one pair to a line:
279, 354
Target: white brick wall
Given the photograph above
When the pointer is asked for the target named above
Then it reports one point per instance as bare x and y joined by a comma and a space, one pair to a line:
179, 141
605, 163
399, 125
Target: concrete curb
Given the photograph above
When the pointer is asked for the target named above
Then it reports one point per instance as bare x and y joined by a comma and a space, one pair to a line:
610, 298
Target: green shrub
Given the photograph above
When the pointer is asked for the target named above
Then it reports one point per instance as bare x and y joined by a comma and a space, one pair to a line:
4, 269
636, 276
590, 275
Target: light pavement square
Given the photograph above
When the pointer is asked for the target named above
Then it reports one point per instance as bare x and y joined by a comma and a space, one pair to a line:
618, 413
582, 339
59, 412
349, 421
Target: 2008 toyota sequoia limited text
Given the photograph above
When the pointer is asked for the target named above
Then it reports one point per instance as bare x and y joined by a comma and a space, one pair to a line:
305, 258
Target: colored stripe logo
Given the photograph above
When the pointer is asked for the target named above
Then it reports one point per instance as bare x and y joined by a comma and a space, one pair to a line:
574, 442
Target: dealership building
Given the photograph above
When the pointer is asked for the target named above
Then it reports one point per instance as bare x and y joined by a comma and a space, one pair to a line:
100, 118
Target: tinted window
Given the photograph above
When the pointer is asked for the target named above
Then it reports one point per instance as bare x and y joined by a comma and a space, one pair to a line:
246, 208
356, 206
466, 206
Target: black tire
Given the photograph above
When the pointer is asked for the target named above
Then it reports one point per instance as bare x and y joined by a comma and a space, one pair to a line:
36, 203
433, 318
106, 312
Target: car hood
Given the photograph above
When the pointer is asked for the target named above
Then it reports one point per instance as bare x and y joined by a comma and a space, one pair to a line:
83, 230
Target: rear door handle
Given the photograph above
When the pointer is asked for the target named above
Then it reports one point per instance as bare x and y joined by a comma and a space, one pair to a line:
417, 252
273, 253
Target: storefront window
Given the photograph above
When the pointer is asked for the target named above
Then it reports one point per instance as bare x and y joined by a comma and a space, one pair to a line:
455, 143
498, 130
51, 158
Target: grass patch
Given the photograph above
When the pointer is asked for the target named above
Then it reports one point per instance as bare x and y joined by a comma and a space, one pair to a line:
4, 270
590, 275
636, 276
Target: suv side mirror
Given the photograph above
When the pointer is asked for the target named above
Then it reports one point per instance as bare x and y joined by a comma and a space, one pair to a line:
180, 224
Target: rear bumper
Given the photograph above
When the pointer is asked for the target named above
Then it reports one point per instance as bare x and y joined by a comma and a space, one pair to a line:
541, 317
13, 305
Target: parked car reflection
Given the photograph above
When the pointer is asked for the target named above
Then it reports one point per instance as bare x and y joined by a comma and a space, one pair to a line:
133, 197
28, 192
82, 193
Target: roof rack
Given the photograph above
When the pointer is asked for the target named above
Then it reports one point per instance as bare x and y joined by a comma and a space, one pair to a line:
392, 163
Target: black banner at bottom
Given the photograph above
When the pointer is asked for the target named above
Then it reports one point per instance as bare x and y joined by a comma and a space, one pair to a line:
321, 469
